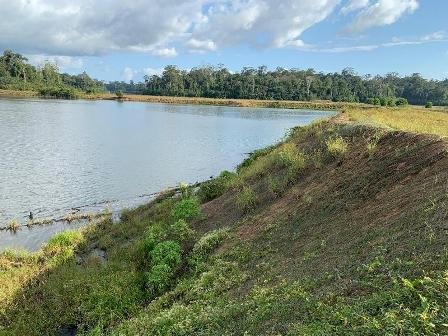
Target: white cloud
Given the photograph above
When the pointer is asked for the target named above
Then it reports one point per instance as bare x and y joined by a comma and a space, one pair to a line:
64, 63
354, 5
395, 42
201, 45
438, 35
157, 27
128, 74
263, 23
86, 27
165, 52
151, 71
382, 13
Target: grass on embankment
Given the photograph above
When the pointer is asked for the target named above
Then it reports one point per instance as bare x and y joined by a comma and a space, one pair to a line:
340, 229
410, 119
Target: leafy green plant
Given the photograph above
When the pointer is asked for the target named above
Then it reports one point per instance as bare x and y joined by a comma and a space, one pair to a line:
428, 105
186, 208
165, 257
167, 252
246, 199
119, 94
181, 231
401, 102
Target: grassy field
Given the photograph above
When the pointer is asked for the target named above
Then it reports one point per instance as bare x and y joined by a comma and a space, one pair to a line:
410, 119
339, 229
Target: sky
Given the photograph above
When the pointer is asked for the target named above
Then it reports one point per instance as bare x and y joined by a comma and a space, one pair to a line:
124, 40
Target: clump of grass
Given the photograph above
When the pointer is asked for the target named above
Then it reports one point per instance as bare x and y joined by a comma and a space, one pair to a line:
337, 146
372, 143
13, 225
246, 199
276, 185
62, 245
206, 245
216, 187
289, 156
317, 158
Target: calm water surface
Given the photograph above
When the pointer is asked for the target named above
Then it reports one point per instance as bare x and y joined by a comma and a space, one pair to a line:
59, 155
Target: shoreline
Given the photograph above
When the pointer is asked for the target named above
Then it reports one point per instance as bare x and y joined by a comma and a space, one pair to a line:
323, 105
287, 104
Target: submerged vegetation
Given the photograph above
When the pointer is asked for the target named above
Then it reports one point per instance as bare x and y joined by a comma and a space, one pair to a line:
336, 230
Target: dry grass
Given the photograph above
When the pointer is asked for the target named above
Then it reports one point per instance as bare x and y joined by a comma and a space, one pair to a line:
410, 119
17, 93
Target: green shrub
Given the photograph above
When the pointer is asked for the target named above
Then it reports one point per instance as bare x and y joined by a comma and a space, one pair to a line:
165, 257
337, 146
428, 104
59, 92
167, 252
119, 94
206, 245
391, 102
156, 233
158, 279
181, 231
215, 187
187, 208
401, 102
246, 200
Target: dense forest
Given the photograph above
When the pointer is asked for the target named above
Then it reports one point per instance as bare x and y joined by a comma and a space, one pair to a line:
17, 74
294, 84
218, 82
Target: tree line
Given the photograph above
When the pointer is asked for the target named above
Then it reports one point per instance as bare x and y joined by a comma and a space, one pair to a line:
295, 84
17, 74
218, 82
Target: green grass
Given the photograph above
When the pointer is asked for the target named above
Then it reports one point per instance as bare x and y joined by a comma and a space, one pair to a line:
350, 245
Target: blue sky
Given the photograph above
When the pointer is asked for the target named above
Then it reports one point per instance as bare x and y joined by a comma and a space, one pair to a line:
118, 40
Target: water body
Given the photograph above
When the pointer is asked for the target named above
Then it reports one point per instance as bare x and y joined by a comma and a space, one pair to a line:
58, 155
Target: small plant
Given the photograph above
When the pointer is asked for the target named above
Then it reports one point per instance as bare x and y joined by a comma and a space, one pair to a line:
289, 156
276, 185
428, 105
13, 225
119, 94
181, 230
62, 245
206, 245
186, 208
337, 146
246, 200
185, 190
401, 102
216, 187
